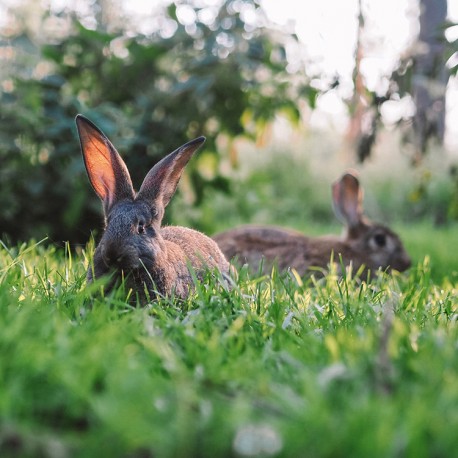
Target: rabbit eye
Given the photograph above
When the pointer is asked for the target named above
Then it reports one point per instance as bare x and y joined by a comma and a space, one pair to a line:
380, 240
141, 227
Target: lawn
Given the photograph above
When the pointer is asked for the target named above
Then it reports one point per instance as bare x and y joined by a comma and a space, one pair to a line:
275, 366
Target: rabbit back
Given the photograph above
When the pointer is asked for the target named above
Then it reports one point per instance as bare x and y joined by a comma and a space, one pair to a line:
185, 252
262, 247
371, 248
189, 247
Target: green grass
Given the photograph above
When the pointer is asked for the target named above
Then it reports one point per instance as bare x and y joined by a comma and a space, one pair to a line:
276, 366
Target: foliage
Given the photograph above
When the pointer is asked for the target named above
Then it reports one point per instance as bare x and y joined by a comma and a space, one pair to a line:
149, 94
420, 76
278, 189
293, 189
273, 367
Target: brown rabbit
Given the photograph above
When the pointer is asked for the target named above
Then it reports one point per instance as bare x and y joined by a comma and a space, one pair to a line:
363, 244
151, 258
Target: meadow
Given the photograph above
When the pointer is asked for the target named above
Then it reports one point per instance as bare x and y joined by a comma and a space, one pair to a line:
274, 365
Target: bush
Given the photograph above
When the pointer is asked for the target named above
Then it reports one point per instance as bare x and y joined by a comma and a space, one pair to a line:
148, 94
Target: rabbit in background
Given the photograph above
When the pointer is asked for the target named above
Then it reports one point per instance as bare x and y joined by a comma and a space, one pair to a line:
365, 245
152, 259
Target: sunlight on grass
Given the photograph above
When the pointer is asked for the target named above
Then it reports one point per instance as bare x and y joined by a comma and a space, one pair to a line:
272, 367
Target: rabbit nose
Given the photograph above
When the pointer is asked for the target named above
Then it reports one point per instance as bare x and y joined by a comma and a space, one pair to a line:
407, 262
121, 257
402, 263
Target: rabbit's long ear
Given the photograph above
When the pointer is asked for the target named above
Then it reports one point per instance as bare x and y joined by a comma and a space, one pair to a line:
107, 171
347, 197
162, 180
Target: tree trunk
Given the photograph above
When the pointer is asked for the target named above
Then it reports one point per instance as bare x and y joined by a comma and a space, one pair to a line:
429, 76
362, 126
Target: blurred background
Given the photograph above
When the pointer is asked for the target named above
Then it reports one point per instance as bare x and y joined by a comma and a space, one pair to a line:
289, 94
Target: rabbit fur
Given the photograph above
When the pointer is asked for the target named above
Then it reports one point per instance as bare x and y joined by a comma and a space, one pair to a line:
365, 245
152, 260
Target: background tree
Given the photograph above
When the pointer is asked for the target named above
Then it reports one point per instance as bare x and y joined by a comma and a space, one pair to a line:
429, 76
421, 74
363, 121
221, 72
192, 68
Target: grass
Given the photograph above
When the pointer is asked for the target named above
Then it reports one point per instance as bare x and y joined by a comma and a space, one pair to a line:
277, 366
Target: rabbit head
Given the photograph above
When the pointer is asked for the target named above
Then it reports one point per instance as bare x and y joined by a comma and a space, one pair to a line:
133, 244
374, 245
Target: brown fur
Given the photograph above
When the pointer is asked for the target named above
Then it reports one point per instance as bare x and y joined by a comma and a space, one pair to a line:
187, 247
364, 244
152, 260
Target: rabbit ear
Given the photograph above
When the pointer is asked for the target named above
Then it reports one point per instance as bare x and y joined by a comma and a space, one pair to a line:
347, 196
107, 171
162, 180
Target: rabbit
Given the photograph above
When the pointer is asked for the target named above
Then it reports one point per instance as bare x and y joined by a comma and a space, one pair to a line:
364, 245
153, 260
